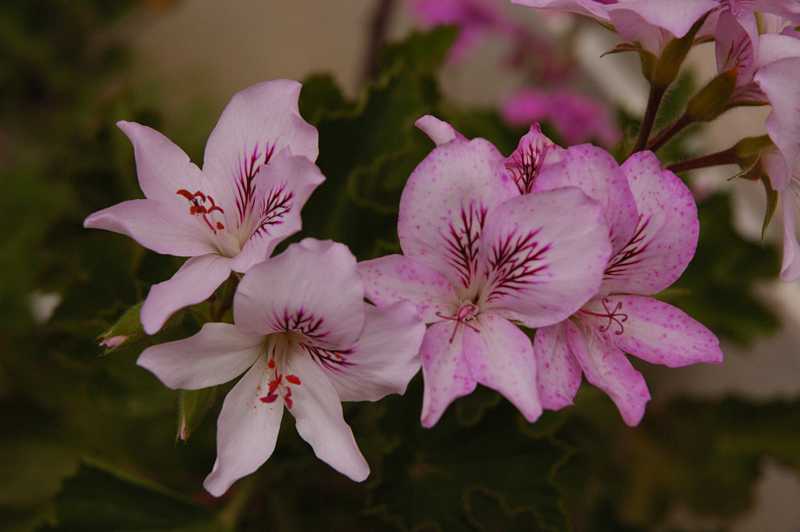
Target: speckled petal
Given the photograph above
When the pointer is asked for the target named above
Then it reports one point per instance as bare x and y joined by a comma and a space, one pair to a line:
558, 373
666, 237
396, 278
606, 367
597, 174
500, 356
657, 332
444, 369
445, 203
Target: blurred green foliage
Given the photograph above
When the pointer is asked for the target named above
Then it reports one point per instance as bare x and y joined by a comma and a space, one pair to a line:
90, 439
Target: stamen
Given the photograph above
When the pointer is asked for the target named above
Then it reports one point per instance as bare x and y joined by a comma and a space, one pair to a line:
465, 314
277, 384
204, 205
614, 316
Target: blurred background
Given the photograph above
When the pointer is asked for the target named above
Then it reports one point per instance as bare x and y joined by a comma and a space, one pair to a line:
89, 440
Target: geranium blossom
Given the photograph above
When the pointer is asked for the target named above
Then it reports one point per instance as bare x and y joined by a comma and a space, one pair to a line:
480, 257
651, 23
654, 228
779, 80
745, 45
305, 340
258, 171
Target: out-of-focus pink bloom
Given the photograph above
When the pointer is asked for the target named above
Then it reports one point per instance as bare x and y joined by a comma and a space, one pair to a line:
474, 18
304, 340
779, 81
654, 227
651, 23
258, 172
577, 118
478, 257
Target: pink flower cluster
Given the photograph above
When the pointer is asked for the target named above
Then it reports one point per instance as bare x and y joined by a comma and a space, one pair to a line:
522, 272
756, 40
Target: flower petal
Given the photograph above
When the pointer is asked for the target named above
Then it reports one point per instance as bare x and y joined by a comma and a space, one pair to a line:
158, 226
598, 175
656, 332
590, 8
257, 123
779, 81
444, 369
545, 254
193, 283
527, 161
666, 237
396, 278
319, 419
500, 356
790, 269
282, 188
675, 16
606, 367
558, 373
247, 430
439, 131
216, 354
445, 202
773, 47
312, 288
386, 356
161, 167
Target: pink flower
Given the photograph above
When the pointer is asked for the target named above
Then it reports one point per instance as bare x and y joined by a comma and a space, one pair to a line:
651, 23
479, 257
474, 18
577, 118
653, 225
741, 45
258, 171
779, 81
305, 340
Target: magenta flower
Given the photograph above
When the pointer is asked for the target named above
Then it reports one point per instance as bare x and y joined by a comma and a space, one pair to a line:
258, 171
576, 117
305, 340
479, 258
651, 23
779, 81
653, 225
474, 18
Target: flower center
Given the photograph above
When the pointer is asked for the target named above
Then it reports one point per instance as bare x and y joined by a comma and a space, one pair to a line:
465, 315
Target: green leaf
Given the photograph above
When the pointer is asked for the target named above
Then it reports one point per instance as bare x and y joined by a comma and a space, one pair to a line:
435, 477
128, 328
420, 52
98, 500
193, 405
772, 204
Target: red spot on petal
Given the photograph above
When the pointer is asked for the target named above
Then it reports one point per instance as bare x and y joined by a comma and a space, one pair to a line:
294, 379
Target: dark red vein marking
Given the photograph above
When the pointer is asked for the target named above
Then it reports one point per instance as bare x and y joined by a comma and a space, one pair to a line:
514, 263
462, 241
631, 254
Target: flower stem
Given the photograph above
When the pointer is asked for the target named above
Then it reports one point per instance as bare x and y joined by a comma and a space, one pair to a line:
378, 27
224, 302
666, 134
714, 159
653, 103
